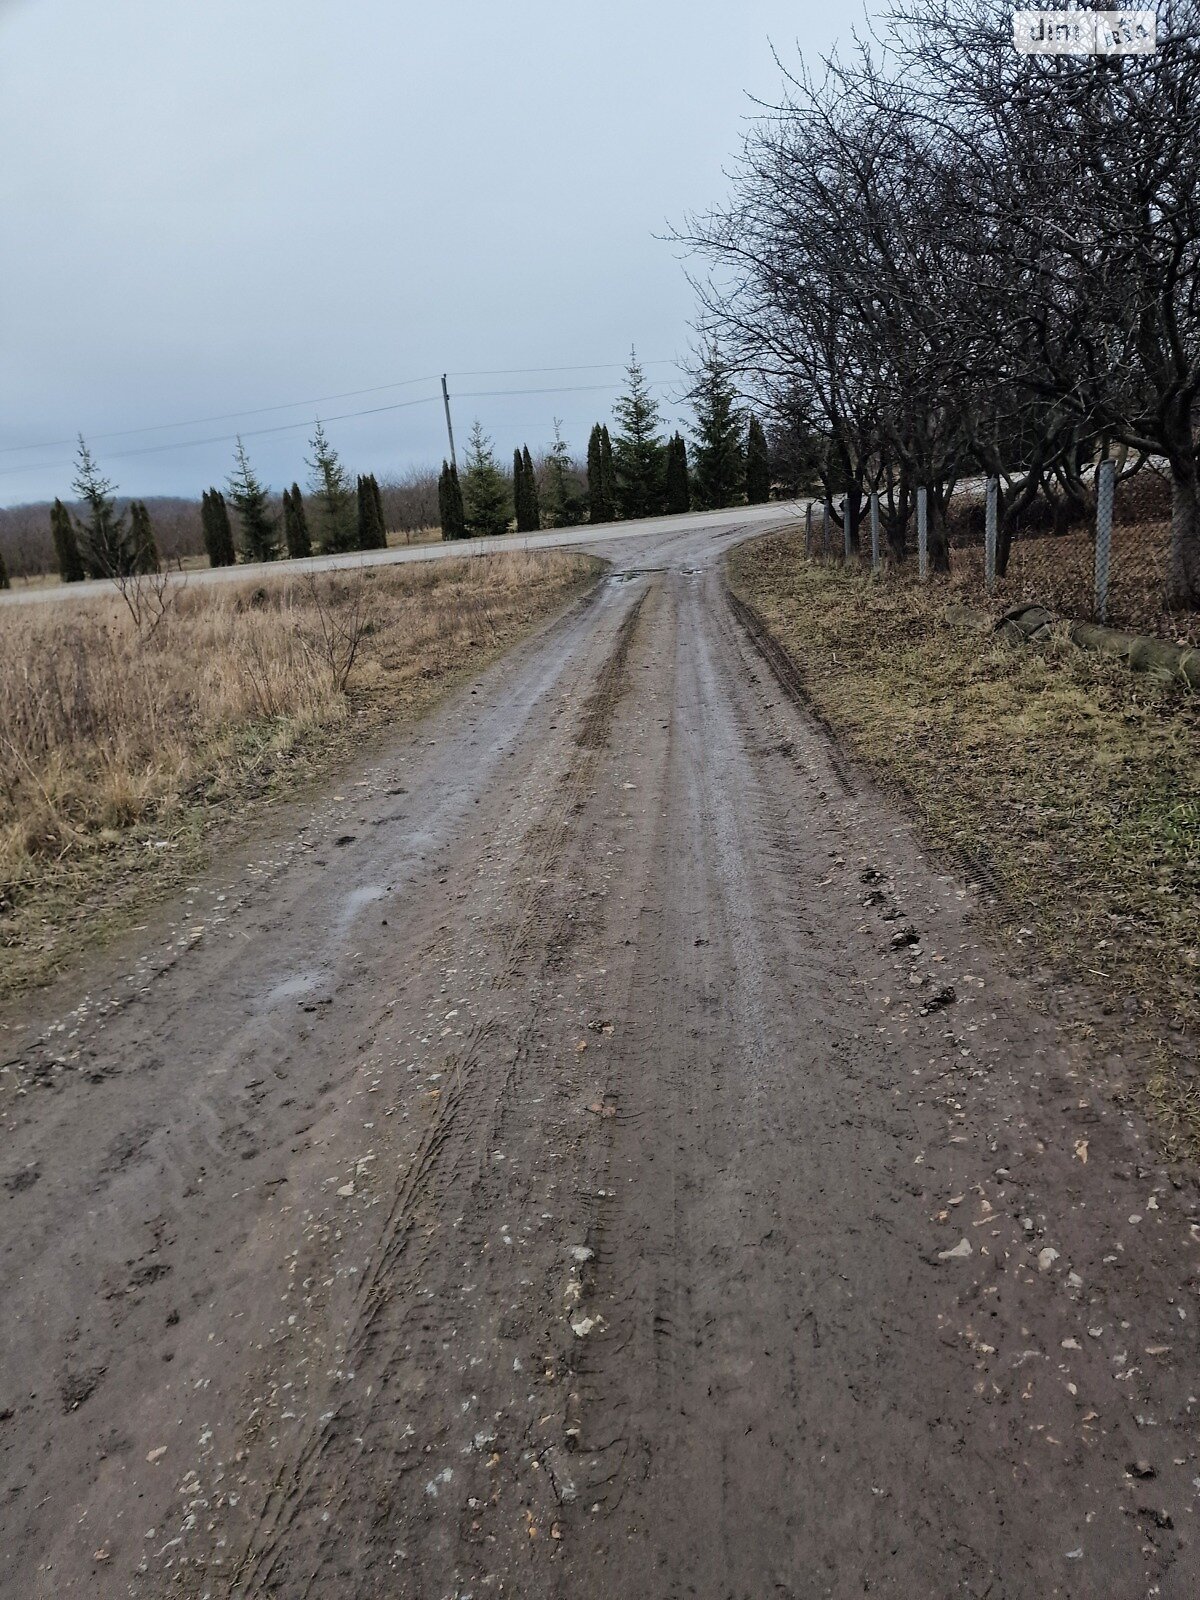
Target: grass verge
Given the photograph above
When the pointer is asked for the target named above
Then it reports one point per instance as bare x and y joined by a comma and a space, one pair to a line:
1068, 787
126, 748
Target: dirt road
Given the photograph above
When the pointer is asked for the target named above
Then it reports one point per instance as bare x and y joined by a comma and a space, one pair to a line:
591, 1153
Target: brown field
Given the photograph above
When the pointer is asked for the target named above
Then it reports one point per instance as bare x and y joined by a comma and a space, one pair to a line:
121, 749
1065, 785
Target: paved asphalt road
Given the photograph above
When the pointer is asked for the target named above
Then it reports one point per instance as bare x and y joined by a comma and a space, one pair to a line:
536, 1167
608, 534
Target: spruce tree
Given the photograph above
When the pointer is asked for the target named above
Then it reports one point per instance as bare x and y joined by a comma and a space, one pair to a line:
66, 546
450, 504
253, 506
145, 549
5, 581
484, 491
105, 542
532, 498
677, 491
218, 535
638, 449
718, 472
564, 496
758, 465
295, 524
333, 495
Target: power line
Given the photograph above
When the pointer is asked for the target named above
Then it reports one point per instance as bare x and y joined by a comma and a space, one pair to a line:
328, 399
345, 416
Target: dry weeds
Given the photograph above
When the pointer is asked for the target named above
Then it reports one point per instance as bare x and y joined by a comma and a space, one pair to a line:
121, 750
1067, 786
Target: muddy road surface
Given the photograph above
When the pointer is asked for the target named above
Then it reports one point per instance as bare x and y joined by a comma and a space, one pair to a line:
589, 1152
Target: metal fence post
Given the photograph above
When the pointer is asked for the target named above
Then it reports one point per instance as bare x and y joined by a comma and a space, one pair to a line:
989, 532
846, 528
808, 529
922, 534
875, 531
1105, 479
825, 529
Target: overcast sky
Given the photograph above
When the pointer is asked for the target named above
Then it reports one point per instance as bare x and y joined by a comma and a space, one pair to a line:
217, 206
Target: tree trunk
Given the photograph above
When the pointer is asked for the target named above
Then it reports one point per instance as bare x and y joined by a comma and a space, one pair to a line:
1183, 571
939, 544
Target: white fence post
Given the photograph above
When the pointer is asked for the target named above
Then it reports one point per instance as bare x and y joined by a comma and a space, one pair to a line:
922, 533
1105, 480
989, 532
825, 529
875, 531
808, 529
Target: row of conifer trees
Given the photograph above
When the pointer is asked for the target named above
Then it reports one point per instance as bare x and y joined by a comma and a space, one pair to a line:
635, 474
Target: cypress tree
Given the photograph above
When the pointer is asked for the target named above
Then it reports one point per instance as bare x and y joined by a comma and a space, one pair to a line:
66, 546
5, 581
253, 506
295, 524
484, 491
379, 514
594, 482
532, 498
638, 451
519, 490
450, 504
145, 549
608, 474
333, 495
218, 534
717, 468
104, 539
758, 465
677, 490
370, 517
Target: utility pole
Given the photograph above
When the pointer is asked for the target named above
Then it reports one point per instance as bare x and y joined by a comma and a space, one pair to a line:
449, 425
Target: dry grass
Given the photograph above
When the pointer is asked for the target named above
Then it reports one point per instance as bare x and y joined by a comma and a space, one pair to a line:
1066, 785
121, 750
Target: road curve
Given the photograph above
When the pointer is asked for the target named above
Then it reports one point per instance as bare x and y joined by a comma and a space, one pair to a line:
608, 535
549, 1166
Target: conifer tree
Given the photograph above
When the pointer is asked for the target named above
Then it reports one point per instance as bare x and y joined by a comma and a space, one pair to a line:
564, 495
295, 524
66, 546
370, 519
145, 549
718, 472
608, 473
485, 493
214, 524
5, 581
253, 506
532, 497
678, 495
333, 495
595, 488
638, 449
758, 465
104, 538
519, 498
379, 514
450, 504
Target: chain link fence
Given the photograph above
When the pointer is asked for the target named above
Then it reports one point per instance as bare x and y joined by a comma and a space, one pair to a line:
1094, 547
